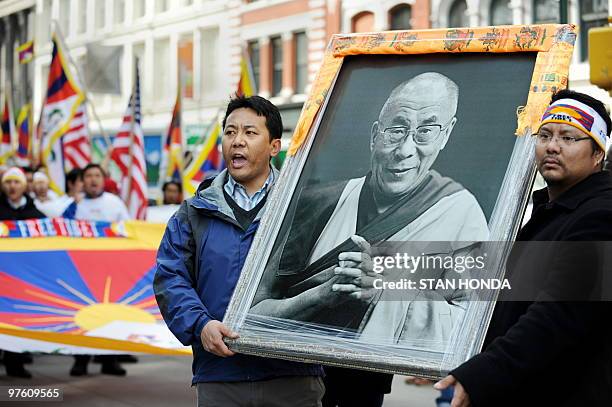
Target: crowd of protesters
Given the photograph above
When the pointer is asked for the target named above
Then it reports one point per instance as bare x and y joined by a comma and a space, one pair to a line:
89, 194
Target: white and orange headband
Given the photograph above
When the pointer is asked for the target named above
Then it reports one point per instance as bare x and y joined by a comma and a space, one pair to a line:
580, 116
14, 173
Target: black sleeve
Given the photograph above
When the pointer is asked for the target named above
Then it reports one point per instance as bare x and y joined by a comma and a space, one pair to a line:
547, 329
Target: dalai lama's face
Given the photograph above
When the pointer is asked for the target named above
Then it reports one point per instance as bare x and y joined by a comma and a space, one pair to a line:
413, 126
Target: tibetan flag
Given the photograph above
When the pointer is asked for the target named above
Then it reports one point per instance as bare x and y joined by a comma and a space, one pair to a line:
25, 52
8, 134
208, 161
23, 134
173, 147
62, 112
63, 290
246, 83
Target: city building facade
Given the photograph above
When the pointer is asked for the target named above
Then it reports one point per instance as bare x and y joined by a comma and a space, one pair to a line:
585, 13
204, 41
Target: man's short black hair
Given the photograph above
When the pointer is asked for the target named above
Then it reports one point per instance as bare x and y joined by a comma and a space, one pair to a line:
593, 103
72, 176
173, 182
26, 169
262, 107
93, 165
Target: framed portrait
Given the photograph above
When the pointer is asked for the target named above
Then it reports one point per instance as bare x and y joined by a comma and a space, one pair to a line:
412, 156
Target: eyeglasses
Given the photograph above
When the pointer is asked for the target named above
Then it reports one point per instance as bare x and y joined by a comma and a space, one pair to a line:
425, 134
566, 141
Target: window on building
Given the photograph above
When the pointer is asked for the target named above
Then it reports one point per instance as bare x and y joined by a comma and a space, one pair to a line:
43, 25
161, 6
362, 22
399, 17
100, 14
593, 13
119, 11
64, 17
82, 16
140, 8
500, 13
277, 64
161, 69
185, 60
253, 49
301, 62
457, 16
545, 11
209, 43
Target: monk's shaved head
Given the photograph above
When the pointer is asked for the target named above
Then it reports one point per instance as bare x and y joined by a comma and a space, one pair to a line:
430, 86
424, 105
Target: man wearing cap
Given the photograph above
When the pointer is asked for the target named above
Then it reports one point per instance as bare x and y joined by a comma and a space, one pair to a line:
15, 204
555, 349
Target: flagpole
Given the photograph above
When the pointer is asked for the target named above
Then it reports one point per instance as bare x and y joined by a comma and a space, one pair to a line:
132, 121
106, 137
180, 120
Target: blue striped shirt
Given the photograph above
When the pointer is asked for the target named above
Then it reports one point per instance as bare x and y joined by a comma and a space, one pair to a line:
241, 197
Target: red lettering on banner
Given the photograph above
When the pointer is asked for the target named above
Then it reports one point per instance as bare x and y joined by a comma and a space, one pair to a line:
85, 229
60, 226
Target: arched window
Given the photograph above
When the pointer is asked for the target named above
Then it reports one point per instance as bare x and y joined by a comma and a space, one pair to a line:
500, 13
457, 16
545, 11
362, 22
399, 17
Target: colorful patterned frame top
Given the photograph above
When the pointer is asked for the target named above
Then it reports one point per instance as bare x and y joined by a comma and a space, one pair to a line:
554, 44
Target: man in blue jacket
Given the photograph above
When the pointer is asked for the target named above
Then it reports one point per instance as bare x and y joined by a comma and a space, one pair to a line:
200, 259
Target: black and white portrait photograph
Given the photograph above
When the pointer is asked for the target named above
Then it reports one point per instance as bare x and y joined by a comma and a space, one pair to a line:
409, 149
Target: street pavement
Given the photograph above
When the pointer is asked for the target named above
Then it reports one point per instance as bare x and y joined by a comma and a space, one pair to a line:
154, 381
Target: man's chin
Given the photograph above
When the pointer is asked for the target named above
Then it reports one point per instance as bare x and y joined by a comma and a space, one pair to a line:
239, 174
551, 176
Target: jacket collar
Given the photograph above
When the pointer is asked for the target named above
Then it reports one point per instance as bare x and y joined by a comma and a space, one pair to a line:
589, 187
209, 195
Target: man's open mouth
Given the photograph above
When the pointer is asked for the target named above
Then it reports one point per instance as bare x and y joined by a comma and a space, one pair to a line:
239, 160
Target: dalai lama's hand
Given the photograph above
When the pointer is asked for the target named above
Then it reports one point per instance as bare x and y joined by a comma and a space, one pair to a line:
357, 269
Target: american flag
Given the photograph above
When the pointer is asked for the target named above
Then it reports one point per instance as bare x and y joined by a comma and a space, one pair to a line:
128, 155
77, 151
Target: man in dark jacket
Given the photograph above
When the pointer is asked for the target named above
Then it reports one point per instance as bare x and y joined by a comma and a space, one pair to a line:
555, 350
16, 204
200, 259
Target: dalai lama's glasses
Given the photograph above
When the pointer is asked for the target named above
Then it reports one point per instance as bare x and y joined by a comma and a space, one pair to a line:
422, 135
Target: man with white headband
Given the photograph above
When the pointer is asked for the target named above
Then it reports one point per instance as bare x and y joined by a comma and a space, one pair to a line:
554, 349
15, 204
